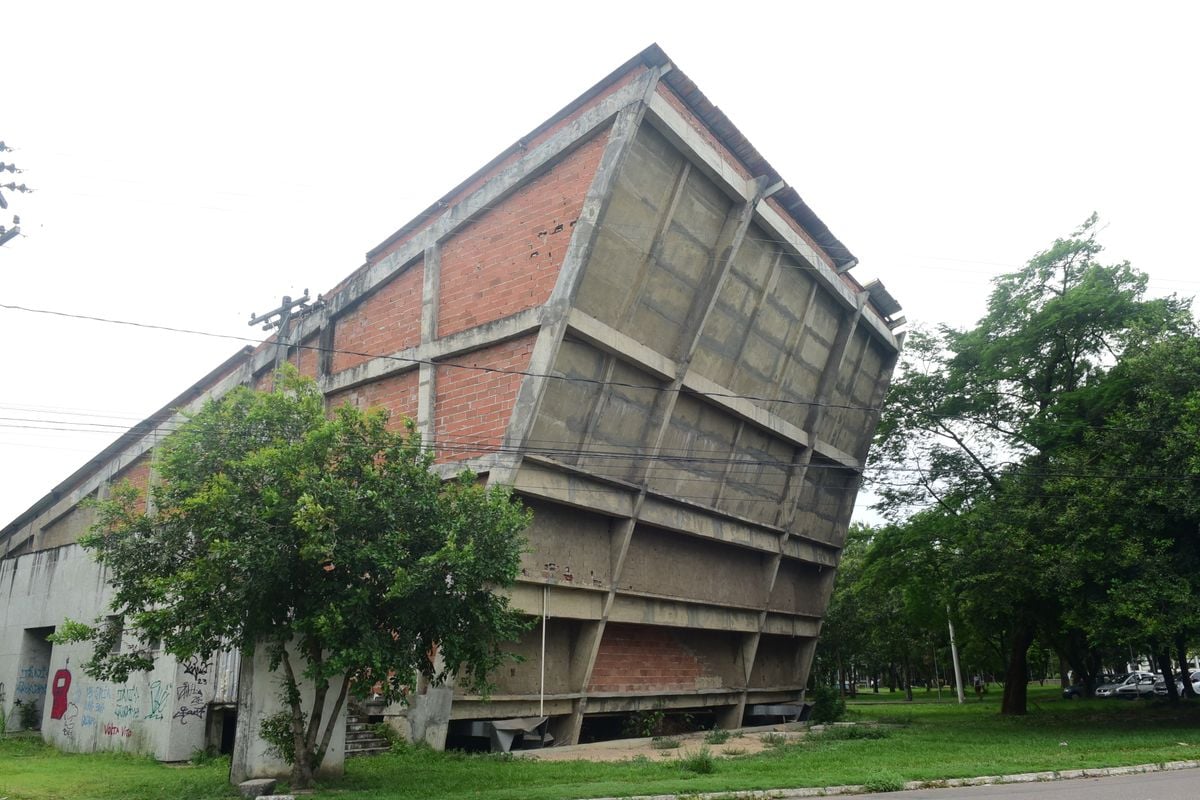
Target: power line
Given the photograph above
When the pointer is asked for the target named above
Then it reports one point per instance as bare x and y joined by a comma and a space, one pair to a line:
447, 364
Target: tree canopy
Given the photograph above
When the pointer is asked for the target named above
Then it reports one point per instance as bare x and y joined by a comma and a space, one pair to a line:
325, 539
1040, 468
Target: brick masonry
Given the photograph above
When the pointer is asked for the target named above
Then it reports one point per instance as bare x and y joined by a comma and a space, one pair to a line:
473, 407
396, 393
508, 259
387, 321
640, 658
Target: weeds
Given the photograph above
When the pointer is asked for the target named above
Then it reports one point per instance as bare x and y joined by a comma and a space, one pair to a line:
774, 739
701, 762
885, 782
717, 736
848, 732
664, 742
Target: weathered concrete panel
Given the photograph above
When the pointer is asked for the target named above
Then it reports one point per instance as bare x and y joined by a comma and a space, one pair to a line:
668, 564
622, 428
568, 545
68, 528
732, 321
562, 421
801, 588
696, 448
681, 614
523, 674
777, 663
824, 505
696, 522
757, 479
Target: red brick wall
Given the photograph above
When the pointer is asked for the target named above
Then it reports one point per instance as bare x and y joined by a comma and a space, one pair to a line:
138, 474
642, 658
308, 357
396, 393
508, 258
387, 321
473, 406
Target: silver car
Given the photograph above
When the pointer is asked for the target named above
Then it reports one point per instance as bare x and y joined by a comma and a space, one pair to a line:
1133, 685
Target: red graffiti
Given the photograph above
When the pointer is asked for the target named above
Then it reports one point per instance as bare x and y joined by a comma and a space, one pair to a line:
58, 690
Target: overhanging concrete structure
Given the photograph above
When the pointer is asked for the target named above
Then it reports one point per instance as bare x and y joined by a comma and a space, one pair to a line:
630, 318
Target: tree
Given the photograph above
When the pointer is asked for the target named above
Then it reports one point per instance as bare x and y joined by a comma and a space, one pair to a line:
1133, 503
977, 416
328, 541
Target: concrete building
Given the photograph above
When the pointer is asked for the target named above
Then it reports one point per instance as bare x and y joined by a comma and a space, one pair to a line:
629, 317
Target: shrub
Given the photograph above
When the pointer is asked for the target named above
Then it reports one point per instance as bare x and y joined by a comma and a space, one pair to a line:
717, 736
701, 762
828, 705
774, 740
844, 732
885, 782
276, 731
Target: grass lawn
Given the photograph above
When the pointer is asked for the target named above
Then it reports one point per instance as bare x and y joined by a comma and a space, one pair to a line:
924, 740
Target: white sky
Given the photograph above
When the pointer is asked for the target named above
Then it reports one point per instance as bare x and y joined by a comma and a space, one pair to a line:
195, 162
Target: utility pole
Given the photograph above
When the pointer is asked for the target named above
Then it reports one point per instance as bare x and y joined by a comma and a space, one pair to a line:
282, 317
954, 654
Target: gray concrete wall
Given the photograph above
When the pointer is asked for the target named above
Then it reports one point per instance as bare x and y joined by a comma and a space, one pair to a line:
261, 697
161, 713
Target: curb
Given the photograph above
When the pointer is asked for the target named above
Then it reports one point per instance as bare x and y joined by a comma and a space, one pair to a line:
949, 783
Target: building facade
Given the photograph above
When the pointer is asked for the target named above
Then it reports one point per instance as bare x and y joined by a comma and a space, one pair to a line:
631, 319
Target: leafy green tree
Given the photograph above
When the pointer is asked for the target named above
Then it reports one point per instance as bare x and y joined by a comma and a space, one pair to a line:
977, 415
1133, 503
326, 540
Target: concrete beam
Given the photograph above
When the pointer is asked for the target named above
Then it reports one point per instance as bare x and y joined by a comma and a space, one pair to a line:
511, 327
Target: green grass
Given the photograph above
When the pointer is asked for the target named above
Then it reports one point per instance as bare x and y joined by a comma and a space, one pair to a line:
30, 769
923, 741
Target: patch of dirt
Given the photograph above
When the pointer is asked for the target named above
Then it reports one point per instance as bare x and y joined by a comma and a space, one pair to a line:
739, 743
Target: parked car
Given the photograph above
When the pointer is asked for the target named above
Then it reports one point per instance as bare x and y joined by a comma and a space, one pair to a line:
1130, 687
1160, 685
1076, 690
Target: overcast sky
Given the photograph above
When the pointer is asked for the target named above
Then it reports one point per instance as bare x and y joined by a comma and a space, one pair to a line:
194, 162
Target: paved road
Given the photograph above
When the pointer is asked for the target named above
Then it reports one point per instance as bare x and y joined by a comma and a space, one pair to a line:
1181, 784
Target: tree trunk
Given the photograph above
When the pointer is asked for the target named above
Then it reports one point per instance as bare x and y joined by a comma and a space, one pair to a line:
1163, 657
1186, 672
1016, 684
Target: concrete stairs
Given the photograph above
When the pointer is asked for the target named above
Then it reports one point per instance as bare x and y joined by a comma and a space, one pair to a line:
361, 738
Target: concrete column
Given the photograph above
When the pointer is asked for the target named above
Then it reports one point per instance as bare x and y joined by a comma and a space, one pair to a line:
427, 379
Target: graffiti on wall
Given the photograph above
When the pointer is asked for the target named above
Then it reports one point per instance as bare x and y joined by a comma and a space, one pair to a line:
31, 683
191, 703
197, 669
127, 703
58, 690
68, 721
159, 694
